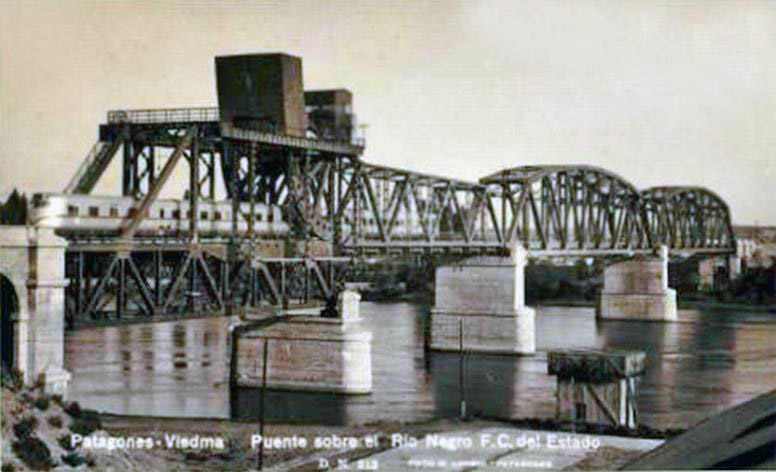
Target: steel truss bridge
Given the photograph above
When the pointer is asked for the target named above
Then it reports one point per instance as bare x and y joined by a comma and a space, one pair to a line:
331, 197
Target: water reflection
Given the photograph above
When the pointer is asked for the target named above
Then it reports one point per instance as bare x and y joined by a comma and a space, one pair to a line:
495, 386
160, 369
704, 363
294, 407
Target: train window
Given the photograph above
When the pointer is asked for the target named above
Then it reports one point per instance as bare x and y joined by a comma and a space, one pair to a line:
259, 217
188, 214
72, 210
114, 212
271, 217
203, 215
161, 214
94, 211
132, 212
217, 216
176, 214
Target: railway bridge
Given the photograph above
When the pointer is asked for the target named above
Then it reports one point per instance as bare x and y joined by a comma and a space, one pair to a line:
272, 199
305, 207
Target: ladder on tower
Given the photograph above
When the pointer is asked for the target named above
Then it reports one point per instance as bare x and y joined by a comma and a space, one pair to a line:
93, 166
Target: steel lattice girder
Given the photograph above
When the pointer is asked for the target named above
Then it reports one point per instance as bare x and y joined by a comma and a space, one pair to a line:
106, 285
358, 205
688, 218
569, 207
383, 205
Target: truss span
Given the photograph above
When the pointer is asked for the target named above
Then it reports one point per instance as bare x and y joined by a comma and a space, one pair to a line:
689, 218
568, 209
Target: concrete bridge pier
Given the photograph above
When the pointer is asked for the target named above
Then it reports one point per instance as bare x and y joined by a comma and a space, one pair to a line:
480, 307
32, 264
638, 290
306, 353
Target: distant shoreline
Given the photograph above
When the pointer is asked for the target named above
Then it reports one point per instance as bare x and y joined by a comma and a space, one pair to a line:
683, 304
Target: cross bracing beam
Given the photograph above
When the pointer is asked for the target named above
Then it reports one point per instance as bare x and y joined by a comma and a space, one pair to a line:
142, 209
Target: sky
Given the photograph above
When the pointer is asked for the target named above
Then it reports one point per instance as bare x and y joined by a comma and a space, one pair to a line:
660, 92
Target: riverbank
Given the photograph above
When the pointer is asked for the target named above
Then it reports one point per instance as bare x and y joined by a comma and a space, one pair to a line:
682, 305
389, 445
48, 433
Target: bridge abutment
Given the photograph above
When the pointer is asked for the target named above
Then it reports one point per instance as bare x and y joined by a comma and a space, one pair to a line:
638, 290
480, 307
33, 261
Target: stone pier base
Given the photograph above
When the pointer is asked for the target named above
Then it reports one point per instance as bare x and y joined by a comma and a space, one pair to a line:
638, 290
480, 307
637, 306
500, 334
306, 353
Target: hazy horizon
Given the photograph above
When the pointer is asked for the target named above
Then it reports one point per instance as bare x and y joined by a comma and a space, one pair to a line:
661, 93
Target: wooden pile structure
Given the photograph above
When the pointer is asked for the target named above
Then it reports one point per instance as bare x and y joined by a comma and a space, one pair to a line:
597, 386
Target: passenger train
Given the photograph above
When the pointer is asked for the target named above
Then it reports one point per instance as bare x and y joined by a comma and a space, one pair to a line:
75, 214
95, 215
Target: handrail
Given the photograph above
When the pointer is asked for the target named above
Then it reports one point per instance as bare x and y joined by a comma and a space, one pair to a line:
164, 115
201, 115
84, 167
229, 130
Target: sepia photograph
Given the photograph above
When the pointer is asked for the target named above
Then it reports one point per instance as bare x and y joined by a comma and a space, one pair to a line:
387, 235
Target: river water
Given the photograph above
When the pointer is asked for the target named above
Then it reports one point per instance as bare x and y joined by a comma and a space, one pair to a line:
706, 362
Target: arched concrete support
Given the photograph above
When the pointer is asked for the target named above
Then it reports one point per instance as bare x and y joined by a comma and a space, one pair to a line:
480, 304
638, 290
9, 308
33, 259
